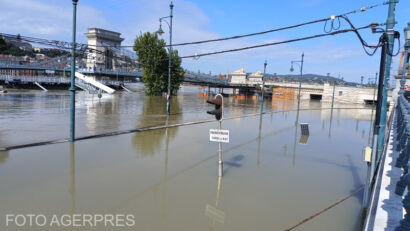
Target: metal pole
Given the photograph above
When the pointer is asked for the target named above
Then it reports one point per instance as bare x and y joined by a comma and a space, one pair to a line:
403, 74
220, 164
390, 41
72, 87
171, 6
263, 84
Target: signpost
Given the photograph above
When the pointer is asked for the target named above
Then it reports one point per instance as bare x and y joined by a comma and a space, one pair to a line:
218, 135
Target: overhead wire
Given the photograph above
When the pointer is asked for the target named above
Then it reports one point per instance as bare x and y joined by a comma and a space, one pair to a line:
281, 42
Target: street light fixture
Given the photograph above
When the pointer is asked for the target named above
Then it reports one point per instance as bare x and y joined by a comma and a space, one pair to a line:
160, 32
405, 55
301, 73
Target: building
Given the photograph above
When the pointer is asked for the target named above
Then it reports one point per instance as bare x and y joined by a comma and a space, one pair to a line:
239, 76
104, 46
255, 78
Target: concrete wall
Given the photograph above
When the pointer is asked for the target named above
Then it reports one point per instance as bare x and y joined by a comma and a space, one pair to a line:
348, 94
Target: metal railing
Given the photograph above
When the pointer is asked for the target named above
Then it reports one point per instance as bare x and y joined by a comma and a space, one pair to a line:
403, 147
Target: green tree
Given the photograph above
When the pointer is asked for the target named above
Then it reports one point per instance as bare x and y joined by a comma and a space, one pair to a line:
154, 59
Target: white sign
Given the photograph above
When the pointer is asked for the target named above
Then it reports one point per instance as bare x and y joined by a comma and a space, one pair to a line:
217, 135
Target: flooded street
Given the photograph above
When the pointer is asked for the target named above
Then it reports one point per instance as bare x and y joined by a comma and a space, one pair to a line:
168, 178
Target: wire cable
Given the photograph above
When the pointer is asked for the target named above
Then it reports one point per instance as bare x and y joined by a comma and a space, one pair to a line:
281, 42
283, 28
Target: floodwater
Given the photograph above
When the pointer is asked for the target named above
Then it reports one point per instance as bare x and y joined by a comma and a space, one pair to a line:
167, 179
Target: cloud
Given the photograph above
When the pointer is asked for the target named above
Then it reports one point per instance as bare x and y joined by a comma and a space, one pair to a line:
45, 20
52, 19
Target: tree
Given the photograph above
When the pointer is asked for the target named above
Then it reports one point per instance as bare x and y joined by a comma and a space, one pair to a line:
154, 59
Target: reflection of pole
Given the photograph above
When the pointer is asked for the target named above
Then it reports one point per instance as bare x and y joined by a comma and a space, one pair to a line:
220, 164
218, 196
331, 117
333, 95
259, 138
296, 133
300, 81
164, 191
72, 176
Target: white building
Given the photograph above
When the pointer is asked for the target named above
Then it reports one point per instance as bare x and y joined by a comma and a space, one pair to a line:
239, 76
255, 78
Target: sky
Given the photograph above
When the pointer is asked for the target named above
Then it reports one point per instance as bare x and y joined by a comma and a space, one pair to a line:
209, 19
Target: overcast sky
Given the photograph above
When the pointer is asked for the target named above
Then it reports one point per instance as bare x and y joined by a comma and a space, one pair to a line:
207, 19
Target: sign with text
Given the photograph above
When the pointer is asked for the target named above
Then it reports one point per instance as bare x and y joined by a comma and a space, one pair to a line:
217, 135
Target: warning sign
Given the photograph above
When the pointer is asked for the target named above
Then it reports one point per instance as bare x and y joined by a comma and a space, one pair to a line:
217, 135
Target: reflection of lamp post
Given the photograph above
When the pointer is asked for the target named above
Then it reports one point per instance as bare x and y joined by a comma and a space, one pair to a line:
301, 74
160, 32
405, 54
72, 87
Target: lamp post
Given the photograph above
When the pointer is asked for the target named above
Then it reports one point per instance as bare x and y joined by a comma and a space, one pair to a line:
301, 74
160, 32
72, 87
405, 54
263, 84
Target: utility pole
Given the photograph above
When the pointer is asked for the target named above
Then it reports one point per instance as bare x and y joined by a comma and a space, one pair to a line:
263, 84
383, 110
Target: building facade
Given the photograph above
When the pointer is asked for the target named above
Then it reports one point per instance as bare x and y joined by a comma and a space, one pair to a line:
104, 47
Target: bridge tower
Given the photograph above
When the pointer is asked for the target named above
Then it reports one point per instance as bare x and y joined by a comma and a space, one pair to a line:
105, 45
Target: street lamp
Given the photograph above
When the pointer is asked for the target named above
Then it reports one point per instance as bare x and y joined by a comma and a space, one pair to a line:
160, 32
72, 87
301, 74
263, 84
405, 54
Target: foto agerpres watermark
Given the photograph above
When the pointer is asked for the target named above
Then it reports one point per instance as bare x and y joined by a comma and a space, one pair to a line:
70, 220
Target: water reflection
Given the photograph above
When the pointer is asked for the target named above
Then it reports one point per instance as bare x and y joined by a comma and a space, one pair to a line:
3, 156
72, 177
154, 114
259, 139
164, 180
214, 213
330, 122
295, 137
98, 109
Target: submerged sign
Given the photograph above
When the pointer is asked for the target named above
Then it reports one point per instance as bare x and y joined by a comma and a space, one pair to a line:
217, 135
